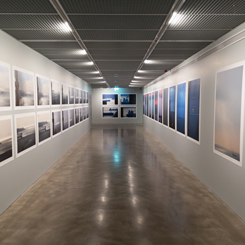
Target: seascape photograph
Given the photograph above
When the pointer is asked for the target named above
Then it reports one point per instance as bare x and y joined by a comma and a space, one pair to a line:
149, 104
44, 126
4, 87
129, 112
80, 96
110, 99
76, 91
172, 107
55, 86
81, 114
71, 117
71, 96
84, 97
56, 119
24, 89
156, 105
165, 106
146, 105
77, 116
65, 119
110, 112
87, 111
43, 91
26, 132
193, 109
84, 113
86, 94
160, 103
128, 99
181, 92
228, 112
6, 149
65, 94
152, 105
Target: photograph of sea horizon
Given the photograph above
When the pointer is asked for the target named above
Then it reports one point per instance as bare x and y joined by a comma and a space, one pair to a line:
6, 150
128, 99
110, 99
160, 103
77, 116
76, 91
56, 118
44, 126
128, 112
65, 120
110, 112
81, 114
181, 94
156, 105
165, 106
4, 86
228, 112
149, 104
80, 96
65, 94
71, 95
72, 116
152, 106
43, 91
172, 91
55, 93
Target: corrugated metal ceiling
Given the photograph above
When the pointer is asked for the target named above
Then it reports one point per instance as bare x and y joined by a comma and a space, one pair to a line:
118, 33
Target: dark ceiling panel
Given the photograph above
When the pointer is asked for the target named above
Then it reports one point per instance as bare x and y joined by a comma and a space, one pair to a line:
117, 34
118, 45
182, 45
26, 6
52, 45
118, 6
118, 65
117, 22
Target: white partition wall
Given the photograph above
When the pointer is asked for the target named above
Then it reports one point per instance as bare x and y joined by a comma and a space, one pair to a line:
35, 118
210, 139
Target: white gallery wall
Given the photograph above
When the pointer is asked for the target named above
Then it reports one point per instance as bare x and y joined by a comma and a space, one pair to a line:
24, 168
222, 172
98, 107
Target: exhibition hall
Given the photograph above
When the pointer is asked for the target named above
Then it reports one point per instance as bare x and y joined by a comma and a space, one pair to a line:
122, 122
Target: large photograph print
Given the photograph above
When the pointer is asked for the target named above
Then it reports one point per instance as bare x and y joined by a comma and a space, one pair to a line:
65, 120
65, 94
71, 96
165, 106
152, 106
80, 96
172, 107
160, 103
71, 117
181, 92
56, 119
156, 105
76, 96
25, 132
24, 89
77, 116
128, 99
6, 140
228, 110
4, 87
109, 99
44, 121
129, 112
55, 86
149, 104
43, 91
193, 109
108, 112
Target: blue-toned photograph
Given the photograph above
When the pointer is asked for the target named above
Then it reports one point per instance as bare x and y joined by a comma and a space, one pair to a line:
228, 112
160, 101
146, 104
181, 91
165, 106
143, 104
110, 99
110, 112
156, 105
149, 105
128, 112
172, 107
128, 99
193, 109
152, 105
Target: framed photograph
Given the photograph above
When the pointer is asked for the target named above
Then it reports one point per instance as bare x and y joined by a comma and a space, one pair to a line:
143, 104
77, 116
146, 105
65, 119
87, 109
165, 106
72, 117
128, 112
65, 94
76, 91
71, 96
84, 113
193, 109
25, 131
86, 100
5, 87
181, 97
84, 97
56, 123
81, 114
80, 96
128, 99
156, 106
56, 88
110, 99
24, 89
172, 92
110, 112
6, 140
43, 91
152, 106
149, 104
228, 115
44, 126
160, 104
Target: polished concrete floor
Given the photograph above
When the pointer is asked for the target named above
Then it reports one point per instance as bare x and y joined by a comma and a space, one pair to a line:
119, 185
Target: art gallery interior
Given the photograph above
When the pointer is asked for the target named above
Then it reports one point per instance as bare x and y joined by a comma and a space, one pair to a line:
122, 122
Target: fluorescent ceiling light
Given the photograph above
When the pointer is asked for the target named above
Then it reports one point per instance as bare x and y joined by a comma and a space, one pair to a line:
94, 72
133, 81
82, 51
149, 62
141, 71
65, 27
90, 63
98, 82
175, 18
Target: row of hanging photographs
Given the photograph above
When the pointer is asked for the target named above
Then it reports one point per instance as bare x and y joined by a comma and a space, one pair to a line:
110, 107
32, 129
40, 91
178, 107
